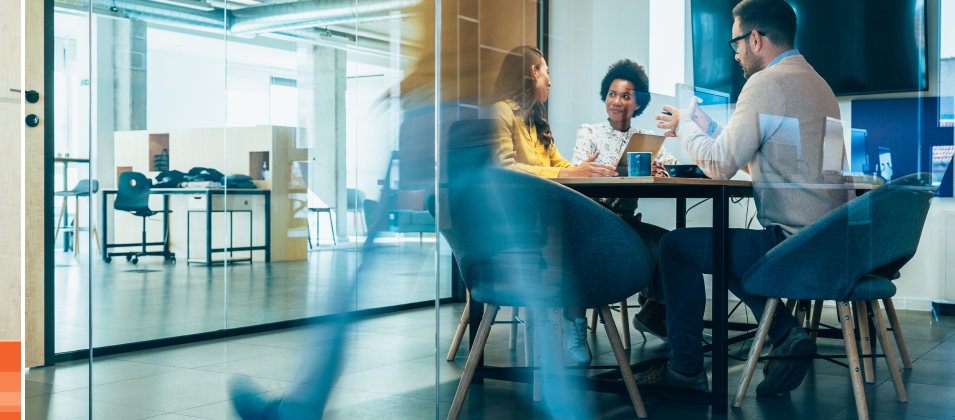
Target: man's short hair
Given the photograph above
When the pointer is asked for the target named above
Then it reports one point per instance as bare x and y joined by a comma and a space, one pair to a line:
775, 17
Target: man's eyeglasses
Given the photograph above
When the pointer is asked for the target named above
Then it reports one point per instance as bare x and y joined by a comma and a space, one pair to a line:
733, 42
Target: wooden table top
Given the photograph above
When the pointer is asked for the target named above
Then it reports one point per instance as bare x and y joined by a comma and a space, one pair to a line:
643, 180
631, 180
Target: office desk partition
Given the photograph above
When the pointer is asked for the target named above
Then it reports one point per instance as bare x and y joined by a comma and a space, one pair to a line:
208, 192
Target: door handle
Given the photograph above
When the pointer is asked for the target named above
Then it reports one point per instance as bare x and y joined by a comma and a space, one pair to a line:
32, 96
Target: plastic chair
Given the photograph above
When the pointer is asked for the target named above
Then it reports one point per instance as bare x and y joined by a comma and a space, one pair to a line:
83, 188
133, 196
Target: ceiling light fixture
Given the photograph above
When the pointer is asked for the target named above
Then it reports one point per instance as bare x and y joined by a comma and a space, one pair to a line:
192, 4
245, 2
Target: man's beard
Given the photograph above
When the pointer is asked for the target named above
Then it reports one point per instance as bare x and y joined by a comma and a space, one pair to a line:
755, 67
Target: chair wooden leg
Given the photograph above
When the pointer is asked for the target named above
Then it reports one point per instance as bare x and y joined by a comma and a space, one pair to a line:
888, 352
625, 325
476, 350
96, 238
512, 342
459, 334
897, 332
862, 319
855, 372
768, 310
791, 304
59, 220
76, 227
814, 322
802, 308
593, 321
623, 361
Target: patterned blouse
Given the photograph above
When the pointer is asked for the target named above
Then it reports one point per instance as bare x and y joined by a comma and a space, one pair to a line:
611, 143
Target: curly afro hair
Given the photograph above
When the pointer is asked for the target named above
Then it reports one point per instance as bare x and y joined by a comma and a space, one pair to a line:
633, 73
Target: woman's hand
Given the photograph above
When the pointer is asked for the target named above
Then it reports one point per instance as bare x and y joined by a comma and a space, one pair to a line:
588, 169
659, 170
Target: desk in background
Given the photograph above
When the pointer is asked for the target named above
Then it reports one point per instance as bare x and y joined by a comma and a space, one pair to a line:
208, 193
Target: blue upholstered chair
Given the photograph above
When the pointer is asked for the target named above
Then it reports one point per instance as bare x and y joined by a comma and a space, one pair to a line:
850, 255
524, 241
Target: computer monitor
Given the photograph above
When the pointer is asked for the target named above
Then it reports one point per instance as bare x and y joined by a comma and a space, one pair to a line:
860, 157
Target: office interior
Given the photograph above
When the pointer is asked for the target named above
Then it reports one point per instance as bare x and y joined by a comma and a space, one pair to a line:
316, 124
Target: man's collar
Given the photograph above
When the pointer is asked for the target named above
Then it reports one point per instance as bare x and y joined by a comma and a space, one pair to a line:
779, 58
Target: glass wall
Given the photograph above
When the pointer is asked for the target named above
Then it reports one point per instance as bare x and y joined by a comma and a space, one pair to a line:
247, 190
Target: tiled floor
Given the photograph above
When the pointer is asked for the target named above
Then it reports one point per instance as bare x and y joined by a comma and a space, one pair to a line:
389, 373
154, 300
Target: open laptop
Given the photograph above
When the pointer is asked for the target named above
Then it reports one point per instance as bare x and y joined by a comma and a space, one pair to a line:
646, 143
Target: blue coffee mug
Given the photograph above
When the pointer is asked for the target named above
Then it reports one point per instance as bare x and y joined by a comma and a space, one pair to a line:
638, 163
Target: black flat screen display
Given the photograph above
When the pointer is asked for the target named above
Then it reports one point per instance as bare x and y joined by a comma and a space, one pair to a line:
857, 46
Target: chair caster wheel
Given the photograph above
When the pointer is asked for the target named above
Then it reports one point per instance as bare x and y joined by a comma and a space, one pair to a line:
129, 257
173, 260
108, 259
134, 261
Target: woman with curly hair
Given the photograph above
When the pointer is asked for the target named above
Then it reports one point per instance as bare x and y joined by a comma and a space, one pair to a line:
625, 92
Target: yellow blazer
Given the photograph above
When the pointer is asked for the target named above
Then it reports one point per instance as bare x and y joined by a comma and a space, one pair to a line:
518, 148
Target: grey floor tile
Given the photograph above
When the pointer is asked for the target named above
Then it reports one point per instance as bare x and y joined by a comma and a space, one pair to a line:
172, 416
943, 352
224, 410
199, 354
63, 407
73, 375
851, 414
924, 401
172, 391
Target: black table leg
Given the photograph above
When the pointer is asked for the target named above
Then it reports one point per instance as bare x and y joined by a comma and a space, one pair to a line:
268, 226
477, 313
681, 213
165, 227
720, 291
457, 283
104, 227
208, 229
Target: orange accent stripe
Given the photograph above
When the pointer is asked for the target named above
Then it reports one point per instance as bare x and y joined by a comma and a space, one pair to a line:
10, 381
10, 356
10, 399
10, 415
9, 410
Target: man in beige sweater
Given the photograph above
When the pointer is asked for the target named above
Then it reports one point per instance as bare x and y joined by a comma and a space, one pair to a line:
776, 135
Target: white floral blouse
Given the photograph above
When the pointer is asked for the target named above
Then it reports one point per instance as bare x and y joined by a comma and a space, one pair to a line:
610, 143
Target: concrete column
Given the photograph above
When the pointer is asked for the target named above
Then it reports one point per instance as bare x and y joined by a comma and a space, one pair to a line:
129, 81
321, 84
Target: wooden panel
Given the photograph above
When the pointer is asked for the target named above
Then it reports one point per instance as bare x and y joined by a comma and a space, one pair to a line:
34, 188
157, 143
258, 162
491, 61
468, 58
468, 8
506, 24
11, 122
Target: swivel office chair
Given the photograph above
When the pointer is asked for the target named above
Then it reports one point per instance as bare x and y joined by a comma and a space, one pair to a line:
133, 196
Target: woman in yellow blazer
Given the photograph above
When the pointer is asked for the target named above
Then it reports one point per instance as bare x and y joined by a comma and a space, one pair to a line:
524, 140
524, 143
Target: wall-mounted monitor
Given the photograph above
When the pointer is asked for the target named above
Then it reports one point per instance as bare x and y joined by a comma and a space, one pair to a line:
857, 46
